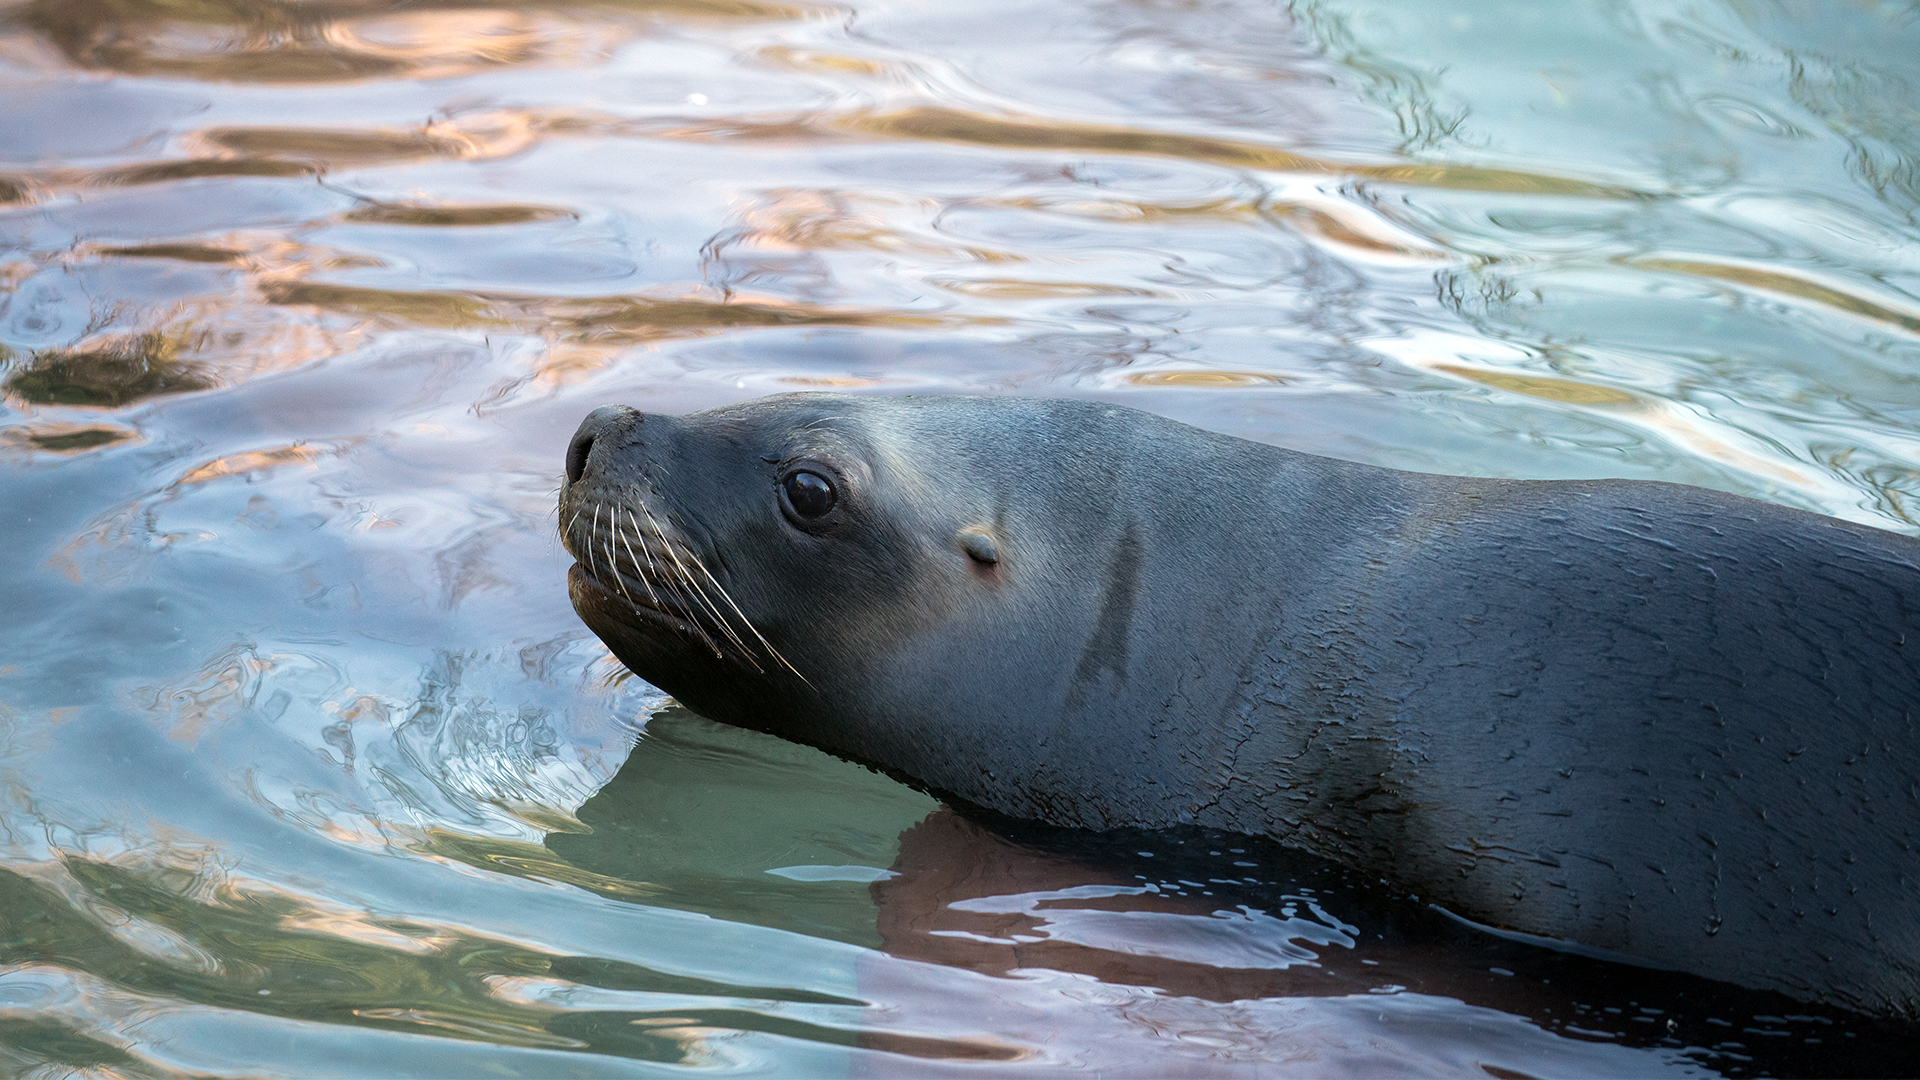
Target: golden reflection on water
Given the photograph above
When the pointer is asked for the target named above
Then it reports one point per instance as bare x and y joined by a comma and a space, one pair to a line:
1031, 133
815, 61
1540, 386
1018, 289
56, 437
1204, 379
200, 253
1794, 287
827, 383
1361, 235
453, 216
110, 373
805, 219
162, 172
121, 372
320, 41
256, 461
475, 136
1683, 427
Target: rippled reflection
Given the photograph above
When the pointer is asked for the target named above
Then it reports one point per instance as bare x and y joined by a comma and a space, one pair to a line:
111, 374
308, 766
300, 42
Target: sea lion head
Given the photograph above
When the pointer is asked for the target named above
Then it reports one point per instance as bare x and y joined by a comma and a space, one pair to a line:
801, 563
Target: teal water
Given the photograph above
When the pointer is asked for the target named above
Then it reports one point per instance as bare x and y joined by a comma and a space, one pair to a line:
307, 768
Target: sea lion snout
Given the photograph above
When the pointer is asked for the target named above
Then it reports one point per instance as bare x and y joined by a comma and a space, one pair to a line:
598, 424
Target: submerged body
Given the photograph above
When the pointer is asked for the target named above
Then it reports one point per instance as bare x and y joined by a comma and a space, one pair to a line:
1653, 720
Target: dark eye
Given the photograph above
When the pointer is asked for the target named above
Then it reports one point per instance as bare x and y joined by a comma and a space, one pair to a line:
809, 494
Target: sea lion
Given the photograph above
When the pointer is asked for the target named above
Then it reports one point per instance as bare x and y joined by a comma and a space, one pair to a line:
1654, 721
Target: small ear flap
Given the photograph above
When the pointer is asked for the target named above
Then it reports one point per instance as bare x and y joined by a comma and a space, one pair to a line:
979, 546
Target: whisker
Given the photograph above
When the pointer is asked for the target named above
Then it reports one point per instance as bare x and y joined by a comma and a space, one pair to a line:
618, 578
719, 617
670, 581
748, 623
589, 544
637, 569
694, 621
719, 620
648, 572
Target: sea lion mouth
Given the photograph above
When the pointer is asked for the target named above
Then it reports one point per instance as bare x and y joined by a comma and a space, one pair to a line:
633, 563
631, 606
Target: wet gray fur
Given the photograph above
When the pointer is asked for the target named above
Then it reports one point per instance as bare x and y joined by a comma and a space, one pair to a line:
1650, 719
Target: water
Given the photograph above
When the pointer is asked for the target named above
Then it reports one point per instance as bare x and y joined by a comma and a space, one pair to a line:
309, 769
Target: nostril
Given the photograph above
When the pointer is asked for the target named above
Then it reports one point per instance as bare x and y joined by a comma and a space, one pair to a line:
598, 422
577, 452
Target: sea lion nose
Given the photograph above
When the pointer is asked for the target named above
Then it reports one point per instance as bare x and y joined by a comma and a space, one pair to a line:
598, 423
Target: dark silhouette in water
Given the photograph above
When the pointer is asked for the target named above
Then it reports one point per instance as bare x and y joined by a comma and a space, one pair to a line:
1219, 917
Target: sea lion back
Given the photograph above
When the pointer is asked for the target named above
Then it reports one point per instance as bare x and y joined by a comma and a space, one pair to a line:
1657, 720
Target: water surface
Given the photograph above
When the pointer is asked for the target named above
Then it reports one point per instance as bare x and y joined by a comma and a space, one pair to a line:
308, 767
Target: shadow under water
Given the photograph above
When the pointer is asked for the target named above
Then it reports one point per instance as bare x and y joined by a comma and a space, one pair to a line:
1181, 916
1225, 918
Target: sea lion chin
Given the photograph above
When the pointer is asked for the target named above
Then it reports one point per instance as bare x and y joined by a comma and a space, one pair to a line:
1655, 721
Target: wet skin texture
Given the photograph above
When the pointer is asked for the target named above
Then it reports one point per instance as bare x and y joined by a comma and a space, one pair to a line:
1652, 720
